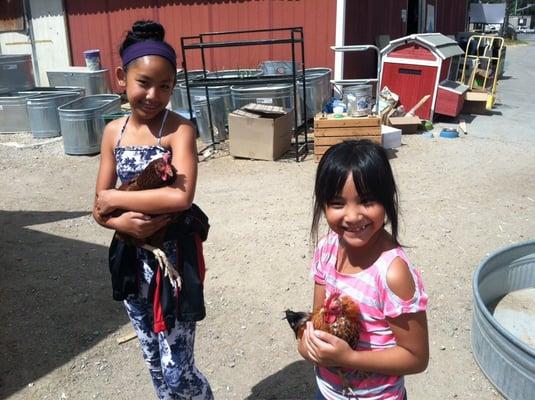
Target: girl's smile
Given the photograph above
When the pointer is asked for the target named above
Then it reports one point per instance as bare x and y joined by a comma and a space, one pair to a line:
357, 220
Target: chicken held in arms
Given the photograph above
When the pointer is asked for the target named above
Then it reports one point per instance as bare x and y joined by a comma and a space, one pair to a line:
158, 173
339, 316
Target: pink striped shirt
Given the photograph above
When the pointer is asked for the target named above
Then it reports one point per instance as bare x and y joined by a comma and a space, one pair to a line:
376, 302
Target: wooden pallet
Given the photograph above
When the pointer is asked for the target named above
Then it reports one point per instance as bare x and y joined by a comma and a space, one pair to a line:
330, 130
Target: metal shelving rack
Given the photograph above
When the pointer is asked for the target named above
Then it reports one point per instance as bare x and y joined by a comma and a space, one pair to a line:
293, 36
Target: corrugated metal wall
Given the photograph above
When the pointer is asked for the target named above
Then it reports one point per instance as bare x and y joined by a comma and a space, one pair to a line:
102, 24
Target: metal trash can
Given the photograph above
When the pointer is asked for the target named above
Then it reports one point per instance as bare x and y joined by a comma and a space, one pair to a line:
82, 122
177, 102
94, 82
217, 109
318, 88
43, 112
13, 112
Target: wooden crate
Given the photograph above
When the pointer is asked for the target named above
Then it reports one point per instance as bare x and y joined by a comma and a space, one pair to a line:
329, 130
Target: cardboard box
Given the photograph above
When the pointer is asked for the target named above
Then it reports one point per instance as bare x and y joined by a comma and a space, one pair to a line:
390, 137
260, 131
407, 124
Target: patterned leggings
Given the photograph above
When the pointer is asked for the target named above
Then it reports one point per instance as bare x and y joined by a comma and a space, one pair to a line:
169, 355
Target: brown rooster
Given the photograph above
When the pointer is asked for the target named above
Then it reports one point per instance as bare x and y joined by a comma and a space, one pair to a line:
339, 316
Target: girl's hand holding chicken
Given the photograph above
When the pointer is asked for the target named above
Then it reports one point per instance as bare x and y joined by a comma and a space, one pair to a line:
139, 225
324, 349
104, 201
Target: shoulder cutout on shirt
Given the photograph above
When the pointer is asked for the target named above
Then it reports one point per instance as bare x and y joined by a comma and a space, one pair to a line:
399, 279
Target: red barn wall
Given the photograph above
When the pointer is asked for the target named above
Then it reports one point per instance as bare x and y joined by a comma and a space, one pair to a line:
366, 19
102, 24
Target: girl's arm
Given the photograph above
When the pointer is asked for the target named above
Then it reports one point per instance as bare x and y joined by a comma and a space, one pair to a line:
169, 199
135, 224
409, 356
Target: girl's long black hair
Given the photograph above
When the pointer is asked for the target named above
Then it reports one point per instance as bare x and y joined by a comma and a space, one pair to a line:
372, 175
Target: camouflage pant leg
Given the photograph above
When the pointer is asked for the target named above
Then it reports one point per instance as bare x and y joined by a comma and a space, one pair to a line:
169, 355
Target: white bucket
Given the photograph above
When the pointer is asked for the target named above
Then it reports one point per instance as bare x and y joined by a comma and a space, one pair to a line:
358, 99
92, 60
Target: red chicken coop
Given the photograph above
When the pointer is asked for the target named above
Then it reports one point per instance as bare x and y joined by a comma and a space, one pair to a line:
422, 65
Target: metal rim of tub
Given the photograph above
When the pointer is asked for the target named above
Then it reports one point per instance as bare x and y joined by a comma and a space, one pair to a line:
498, 353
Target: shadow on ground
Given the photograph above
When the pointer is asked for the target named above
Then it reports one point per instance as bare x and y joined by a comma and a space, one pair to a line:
55, 298
295, 381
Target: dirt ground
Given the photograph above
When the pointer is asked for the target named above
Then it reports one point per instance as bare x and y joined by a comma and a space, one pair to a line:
461, 199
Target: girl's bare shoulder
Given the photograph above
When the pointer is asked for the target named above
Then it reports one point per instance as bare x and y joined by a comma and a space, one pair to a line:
112, 130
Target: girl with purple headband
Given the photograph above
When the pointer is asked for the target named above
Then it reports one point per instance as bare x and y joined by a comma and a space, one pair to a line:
129, 144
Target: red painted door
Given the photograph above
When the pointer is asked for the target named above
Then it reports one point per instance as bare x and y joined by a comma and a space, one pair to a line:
411, 82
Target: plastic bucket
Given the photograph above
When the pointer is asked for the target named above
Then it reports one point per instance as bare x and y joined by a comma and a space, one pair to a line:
506, 360
358, 99
92, 60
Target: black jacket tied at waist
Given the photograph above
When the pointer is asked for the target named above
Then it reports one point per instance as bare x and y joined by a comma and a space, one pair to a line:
189, 229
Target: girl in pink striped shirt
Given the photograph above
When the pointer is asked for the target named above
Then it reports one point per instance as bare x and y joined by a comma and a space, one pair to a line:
356, 192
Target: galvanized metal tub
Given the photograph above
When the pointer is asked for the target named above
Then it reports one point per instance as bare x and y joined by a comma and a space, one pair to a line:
14, 113
199, 94
217, 109
16, 72
507, 361
358, 99
277, 95
318, 90
54, 89
94, 82
273, 67
43, 112
177, 102
281, 95
82, 122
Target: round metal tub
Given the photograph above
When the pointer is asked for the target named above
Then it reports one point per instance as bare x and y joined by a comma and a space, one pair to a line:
507, 361
82, 122
318, 90
234, 73
217, 109
54, 89
276, 95
14, 113
177, 102
43, 112
199, 94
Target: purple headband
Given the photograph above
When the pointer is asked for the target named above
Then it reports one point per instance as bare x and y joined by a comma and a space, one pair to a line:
149, 48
